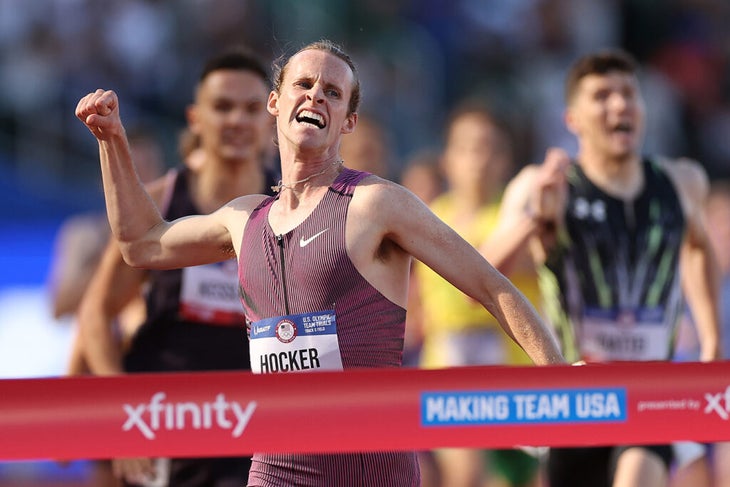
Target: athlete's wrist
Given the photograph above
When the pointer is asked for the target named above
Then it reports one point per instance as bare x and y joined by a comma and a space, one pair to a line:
538, 223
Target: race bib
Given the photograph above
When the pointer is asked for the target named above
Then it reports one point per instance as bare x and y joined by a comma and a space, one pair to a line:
639, 335
295, 343
209, 294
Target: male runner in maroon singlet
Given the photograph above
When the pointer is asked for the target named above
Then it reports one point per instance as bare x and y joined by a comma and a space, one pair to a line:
337, 245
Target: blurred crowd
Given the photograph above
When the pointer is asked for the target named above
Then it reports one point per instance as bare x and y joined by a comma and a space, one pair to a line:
417, 59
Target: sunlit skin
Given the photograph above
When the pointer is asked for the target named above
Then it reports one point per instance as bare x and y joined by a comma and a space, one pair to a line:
366, 149
606, 114
230, 115
717, 212
473, 159
320, 84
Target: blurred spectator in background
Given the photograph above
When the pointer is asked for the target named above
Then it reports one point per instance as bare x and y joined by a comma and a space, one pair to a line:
510, 51
422, 174
194, 318
477, 162
718, 224
368, 148
713, 468
77, 251
81, 240
188, 146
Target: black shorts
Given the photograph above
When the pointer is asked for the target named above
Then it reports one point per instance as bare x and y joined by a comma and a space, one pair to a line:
208, 472
594, 466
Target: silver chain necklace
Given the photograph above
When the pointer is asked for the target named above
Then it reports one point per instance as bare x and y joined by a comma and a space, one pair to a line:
281, 186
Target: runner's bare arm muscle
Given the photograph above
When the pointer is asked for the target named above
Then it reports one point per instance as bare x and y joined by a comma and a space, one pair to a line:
145, 238
416, 230
699, 267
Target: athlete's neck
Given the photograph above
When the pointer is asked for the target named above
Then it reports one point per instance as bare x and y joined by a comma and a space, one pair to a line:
302, 176
622, 178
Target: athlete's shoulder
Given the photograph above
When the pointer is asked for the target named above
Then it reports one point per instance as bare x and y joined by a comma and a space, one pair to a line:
247, 203
681, 165
372, 186
685, 173
689, 178
377, 198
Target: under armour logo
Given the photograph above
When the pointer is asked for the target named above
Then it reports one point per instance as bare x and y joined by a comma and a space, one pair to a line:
583, 209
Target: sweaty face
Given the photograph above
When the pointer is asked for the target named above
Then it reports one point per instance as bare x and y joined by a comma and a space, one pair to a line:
230, 116
607, 114
312, 105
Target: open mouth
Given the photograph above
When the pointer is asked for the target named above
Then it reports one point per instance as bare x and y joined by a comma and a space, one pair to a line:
305, 116
623, 127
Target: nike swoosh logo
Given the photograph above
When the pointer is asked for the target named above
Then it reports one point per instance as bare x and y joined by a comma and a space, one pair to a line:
303, 242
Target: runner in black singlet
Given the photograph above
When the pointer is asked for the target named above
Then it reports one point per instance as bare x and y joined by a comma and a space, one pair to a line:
614, 268
609, 233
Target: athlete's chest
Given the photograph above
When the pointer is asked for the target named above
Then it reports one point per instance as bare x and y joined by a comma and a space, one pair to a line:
592, 214
283, 218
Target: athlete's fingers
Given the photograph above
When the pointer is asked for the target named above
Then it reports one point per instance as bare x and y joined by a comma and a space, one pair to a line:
99, 112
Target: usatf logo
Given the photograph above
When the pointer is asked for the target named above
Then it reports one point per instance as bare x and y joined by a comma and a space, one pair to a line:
156, 415
719, 403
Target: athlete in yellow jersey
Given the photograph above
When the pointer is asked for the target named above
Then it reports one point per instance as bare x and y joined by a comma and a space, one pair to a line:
456, 331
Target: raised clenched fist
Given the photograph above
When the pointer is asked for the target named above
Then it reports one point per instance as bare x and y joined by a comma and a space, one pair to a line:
99, 111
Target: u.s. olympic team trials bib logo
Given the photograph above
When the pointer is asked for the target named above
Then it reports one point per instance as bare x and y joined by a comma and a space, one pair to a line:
286, 331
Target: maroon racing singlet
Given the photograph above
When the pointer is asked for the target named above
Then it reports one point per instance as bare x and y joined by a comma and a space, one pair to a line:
308, 271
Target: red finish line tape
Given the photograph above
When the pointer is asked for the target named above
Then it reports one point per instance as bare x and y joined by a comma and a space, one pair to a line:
232, 413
